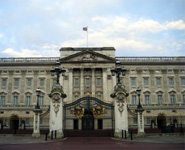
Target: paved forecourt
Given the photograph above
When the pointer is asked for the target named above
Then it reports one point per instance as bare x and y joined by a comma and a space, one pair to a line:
152, 143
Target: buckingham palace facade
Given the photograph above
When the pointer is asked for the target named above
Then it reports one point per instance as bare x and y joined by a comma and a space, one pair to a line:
88, 72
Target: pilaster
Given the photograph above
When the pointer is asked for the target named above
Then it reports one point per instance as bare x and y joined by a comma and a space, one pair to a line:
81, 82
105, 93
93, 82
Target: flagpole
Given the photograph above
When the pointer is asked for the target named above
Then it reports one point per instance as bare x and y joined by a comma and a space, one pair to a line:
87, 36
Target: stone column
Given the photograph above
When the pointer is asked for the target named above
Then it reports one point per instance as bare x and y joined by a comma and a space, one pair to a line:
120, 109
121, 119
56, 117
82, 83
140, 120
56, 110
36, 123
93, 82
105, 93
70, 91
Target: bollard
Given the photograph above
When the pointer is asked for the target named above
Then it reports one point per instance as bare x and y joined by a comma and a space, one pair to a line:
125, 134
51, 135
122, 134
14, 131
46, 136
55, 134
131, 137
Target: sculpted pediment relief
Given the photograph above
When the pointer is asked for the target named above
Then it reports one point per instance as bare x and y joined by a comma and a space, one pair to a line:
87, 56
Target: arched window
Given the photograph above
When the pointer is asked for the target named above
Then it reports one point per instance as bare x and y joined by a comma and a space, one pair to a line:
133, 98
159, 97
172, 95
15, 100
28, 98
147, 97
2, 98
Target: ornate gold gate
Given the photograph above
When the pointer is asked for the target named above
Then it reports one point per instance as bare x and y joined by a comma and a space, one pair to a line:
88, 114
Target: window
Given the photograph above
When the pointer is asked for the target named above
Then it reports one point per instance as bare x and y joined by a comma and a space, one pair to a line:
15, 100
148, 120
147, 100
135, 121
2, 102
98, 82
146, 81
87, 81
41, 121
183, 97
16, 82
158, 81
41, 100
159, 99
133, 99
28, 81
4, 82
28, 100
172, 99
27, 121
133, 81
183, 81
171, 82
41, 81
76, 81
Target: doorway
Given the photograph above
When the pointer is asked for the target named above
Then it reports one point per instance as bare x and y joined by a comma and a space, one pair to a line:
75, 123
88, 120
161, 121
14, 122
100, 124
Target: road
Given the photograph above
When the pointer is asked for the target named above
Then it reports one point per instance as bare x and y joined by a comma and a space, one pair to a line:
94, 144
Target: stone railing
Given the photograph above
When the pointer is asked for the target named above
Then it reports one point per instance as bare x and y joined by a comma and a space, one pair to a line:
29, 60
158, 106
21, 106
152, 59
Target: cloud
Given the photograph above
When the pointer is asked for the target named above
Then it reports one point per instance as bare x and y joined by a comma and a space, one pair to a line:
1, 35
179, 25
128, 24
23, 53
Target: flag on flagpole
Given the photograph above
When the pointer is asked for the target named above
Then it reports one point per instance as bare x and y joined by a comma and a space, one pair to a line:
85, 28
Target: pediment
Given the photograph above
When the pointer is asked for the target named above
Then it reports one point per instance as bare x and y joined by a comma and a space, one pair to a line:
87, 56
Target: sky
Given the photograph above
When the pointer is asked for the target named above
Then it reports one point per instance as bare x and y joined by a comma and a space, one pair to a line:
37, 28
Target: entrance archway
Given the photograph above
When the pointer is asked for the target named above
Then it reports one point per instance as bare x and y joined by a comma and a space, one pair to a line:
14, 122
88, 116
88, 120
161, 121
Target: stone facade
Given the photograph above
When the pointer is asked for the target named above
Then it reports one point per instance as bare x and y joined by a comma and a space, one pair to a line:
162, 80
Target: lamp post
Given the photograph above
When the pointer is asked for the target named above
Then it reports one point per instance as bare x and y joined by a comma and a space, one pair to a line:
57, 71
38, 92
37, 111
118, 71
139, 111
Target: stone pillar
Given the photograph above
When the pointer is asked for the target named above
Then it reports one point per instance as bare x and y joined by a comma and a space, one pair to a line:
82, 83
121, 119
56, 117
93, 82
56, 110
36, 123
70, 91
120, 109
140, 120
105, 94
